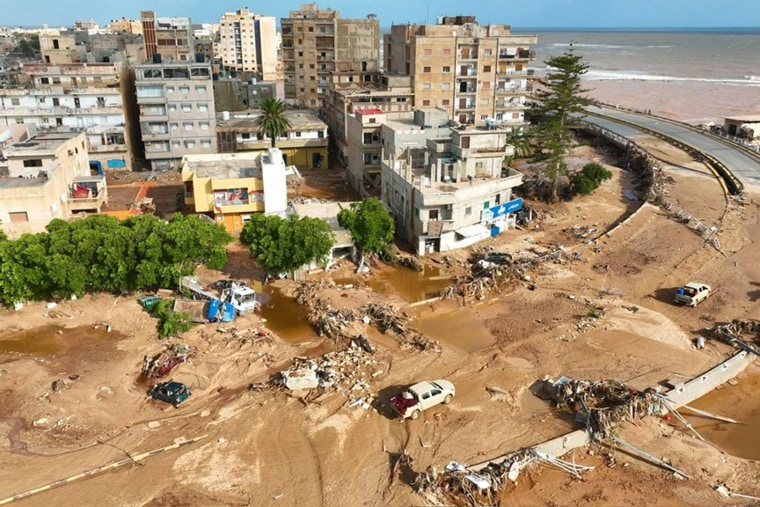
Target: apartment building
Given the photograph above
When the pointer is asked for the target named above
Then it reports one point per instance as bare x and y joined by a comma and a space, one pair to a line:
316, 43
248, 42
304, 145
84, 96
479, 74
77, 46
235, 94
446, 186
44, 177
126, 25
172, 38
230, 187
176, 111
389, 94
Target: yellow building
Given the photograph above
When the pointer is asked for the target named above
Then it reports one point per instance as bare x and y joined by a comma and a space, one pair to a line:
230, 187
304, 145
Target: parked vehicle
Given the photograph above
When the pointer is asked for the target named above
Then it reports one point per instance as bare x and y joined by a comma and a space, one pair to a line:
692, 293
238, 294
148, 302
421, 396
170, 392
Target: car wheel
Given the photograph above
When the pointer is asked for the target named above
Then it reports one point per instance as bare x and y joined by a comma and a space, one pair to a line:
415, 415
447, 399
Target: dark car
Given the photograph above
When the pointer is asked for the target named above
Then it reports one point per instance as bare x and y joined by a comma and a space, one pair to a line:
170, 392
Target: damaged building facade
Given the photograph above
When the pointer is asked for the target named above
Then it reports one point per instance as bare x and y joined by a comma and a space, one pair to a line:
447, 187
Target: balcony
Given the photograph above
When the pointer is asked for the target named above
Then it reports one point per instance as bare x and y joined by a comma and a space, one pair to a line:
87, 193
520, 54
468, 72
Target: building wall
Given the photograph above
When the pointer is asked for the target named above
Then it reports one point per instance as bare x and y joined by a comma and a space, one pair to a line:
177, 113
42, 199
248, 43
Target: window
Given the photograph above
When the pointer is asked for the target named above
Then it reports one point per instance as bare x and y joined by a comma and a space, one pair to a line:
204, 125
203, 107
298, 134
187, 108
184, 90
426, 69
188, 125
446, 69
34, 162
487, 52
206, 143
447, 52
486, 85
172, 107
42, 100
44, 80
433, 214
479, 167
189, 144
18, 216
15, 102
468, 211
175, 144
486, 68
425, 86
175, 126
200, 89
486, 204
445, 102
425, 102
428, 52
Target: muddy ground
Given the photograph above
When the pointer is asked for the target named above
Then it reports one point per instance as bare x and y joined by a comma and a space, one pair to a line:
274, 447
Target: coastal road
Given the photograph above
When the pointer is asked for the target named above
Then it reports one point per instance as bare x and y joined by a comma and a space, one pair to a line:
743, 165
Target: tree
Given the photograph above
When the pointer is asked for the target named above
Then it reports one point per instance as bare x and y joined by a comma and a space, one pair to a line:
560, 104
272, 121
588, 179
283, 245
371, 226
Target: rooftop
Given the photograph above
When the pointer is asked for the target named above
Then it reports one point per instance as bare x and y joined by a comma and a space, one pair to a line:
223, 165
46, 142
245, 121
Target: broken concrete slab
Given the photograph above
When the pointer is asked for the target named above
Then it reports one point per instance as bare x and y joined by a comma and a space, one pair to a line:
300, 379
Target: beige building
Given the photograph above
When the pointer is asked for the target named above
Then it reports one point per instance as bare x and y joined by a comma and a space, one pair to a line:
126, 25
177, 114
79, 46
316, 43
171, 38
248, 42
478, 74
446, 186
83, 96
389, 94
47, 177
304, 145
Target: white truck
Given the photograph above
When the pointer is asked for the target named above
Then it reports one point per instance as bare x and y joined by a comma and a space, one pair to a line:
238, 294
692, 293
421, 396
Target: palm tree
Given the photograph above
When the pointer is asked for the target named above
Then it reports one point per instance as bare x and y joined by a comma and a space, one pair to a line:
272, 120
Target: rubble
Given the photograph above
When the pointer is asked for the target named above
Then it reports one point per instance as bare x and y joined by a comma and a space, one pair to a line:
164, 362
347, 372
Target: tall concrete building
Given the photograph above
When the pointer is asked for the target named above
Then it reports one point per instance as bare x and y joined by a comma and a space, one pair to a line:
478, 74
248, 42
177, 114
316, 43
172, 38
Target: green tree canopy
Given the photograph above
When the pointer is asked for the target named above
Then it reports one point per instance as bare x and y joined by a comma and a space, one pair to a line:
371, 225
283, 245
560, 104
588, 179
272, 120
99, 253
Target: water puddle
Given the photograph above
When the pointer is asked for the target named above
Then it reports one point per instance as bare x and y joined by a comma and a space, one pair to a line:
739, 402
462, 328
285, 317
411, 285
50, 340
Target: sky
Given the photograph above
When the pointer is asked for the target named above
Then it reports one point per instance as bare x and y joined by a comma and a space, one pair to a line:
517, 13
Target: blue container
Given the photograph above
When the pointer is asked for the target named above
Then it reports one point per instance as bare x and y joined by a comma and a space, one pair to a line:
495, 231
213, 310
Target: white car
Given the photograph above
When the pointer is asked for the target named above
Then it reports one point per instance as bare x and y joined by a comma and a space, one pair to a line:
420, 397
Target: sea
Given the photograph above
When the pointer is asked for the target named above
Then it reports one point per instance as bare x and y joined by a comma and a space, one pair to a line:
698, 76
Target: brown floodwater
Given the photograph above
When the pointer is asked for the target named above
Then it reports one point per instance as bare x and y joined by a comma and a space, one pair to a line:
52, 340
285, 317
740, 402
411, 285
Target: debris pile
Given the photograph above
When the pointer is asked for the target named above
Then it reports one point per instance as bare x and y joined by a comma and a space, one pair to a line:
329, 321
388, 318
487, 274
161, 364
733, 332
348, 372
